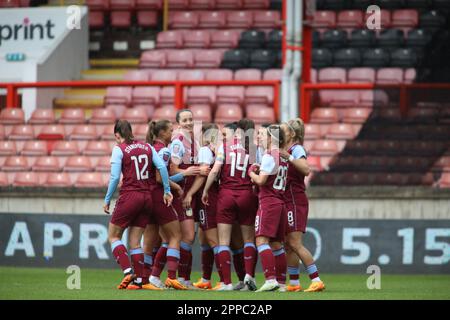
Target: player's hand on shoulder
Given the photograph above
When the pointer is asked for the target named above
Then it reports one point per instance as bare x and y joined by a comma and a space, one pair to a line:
253, 168
168, 198
106, 208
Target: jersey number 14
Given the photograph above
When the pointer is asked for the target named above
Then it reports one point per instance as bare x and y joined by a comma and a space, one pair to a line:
235, 164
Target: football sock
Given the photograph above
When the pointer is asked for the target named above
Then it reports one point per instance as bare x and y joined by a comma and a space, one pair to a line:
137, 260
217, 262
313, 272
160, 260
120, 253
238, 262
250, 258
294, 273
267, 261
207, 262
280, 265
225, 263
185, 251
173, 258
148, 262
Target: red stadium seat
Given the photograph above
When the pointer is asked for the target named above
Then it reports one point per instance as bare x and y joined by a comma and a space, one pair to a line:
273, 74
108, 133
324, 115
219, 75
389, 76
42, 116
212, 20
97, 5
78, 164
208, 58
65, 148
191, 75
340, 131
12, 116
409, 75
345, 98
122, 4
313, 75
16, 163
230, 94
147, 96
21, 132
247, 74
8, 148
34, 148
169, 39
84, 132
47, 164
118, 95
224, 39
135, 115
444, 180
324, 148
2, 132
136, 75
405, 18
202, 4
58, 179
228, 113
228, 4
26, 179
103, 164
102, 116
260, 114
350, 19
89, 180
149, 4
332, 75
259, 94
140, 131
197, 39
120, 19
72, 116
167, 96
96, 19
201, 112
240, 19
97, 148
153, 59
164, 75
361, 75
356, 115
266, 19
3, 179
52, 132
180, 59
201, 95
178, 4
165, 113
313, 131
147, 19
256, 4
184, 20
324, 19
442, 164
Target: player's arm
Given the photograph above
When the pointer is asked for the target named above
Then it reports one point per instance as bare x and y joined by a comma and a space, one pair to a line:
266, 169
116, 169
173, 185
196, 186
177, 152
212, 176
298, 160
159, 164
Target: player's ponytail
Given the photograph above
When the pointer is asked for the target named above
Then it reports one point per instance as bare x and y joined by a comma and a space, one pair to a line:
154, 128
298, 127
210, 132
123, 128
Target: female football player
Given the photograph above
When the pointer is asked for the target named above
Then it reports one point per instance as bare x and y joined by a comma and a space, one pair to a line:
271, 177
135, 160
297, 208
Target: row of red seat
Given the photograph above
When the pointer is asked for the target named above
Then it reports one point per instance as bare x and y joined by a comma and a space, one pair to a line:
364, 75
45, 163
357, 19
176, 4
180, 59
198, 39
203, 75
58, 148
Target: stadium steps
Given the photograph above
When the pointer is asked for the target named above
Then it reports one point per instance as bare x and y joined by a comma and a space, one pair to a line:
104, 74
114, 63
80, 98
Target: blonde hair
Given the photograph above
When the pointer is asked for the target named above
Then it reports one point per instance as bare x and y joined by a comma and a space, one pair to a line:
210, 133
298, 127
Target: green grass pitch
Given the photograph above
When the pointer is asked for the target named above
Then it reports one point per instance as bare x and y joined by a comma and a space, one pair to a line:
46, 283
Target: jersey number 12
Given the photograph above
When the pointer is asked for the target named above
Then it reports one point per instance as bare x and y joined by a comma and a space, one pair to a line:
143, 173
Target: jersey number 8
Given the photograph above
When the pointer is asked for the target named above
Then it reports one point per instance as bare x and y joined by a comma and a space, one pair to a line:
280, 181
143, 173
